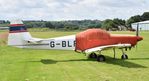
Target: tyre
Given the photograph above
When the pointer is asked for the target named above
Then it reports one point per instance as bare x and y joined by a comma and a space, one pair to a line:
124, 56
101, 58
92, 55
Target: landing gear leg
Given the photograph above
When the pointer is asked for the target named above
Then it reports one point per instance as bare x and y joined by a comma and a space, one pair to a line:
114, 52
124, 56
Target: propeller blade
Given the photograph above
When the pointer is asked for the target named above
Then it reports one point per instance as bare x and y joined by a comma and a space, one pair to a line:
137, 31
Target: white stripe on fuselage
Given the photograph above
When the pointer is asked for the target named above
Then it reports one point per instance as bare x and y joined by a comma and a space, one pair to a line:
63, 43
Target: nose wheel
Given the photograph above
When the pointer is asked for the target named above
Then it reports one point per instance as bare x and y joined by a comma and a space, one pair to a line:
124, 56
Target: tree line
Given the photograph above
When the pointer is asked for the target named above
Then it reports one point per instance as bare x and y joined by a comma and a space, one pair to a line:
119, 24
108, 24
65, 25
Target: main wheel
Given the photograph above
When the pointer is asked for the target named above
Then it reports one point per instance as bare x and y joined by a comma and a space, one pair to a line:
92, 55
124, 56
101, 58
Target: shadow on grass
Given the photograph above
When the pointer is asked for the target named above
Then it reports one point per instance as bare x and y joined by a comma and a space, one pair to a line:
109, 60
50, 61
123, 63
139, 59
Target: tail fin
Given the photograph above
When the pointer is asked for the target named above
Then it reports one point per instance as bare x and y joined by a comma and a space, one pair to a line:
18, 33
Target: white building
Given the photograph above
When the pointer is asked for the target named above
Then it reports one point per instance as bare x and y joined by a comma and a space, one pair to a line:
144, 25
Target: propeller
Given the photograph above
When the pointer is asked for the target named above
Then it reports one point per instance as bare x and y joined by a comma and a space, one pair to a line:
137, 34
137, 31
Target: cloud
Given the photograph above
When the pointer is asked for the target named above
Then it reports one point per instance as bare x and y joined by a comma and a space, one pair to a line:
71, 9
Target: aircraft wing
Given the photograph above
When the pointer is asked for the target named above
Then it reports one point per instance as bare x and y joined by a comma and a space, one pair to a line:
100, 48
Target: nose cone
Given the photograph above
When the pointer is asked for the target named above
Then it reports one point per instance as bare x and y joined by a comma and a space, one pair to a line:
139, 38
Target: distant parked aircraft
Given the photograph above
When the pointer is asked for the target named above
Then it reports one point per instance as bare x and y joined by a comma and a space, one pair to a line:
91, 41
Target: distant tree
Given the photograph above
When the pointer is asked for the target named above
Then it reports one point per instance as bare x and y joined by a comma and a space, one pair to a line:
119, 21
145, 16
29, 24
59, 25
94, 25
108, 24
70, 27
133, 19
7, 21
49, 25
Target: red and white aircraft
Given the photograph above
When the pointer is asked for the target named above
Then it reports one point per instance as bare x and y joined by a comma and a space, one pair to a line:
91, 41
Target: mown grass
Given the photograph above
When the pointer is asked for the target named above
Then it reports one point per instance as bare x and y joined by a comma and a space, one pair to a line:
59, 65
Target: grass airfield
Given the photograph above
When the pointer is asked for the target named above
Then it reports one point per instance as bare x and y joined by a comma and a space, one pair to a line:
58, 65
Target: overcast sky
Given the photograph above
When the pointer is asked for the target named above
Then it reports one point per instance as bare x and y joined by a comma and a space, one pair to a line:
71, 9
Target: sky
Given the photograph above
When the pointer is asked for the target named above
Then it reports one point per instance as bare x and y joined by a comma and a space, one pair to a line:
57, 10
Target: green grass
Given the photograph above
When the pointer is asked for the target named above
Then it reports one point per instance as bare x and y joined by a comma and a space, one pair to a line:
59, 65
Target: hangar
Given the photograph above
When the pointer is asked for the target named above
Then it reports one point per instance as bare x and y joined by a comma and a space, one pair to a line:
143, 25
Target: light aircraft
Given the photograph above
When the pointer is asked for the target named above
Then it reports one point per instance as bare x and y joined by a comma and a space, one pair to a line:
91, 41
